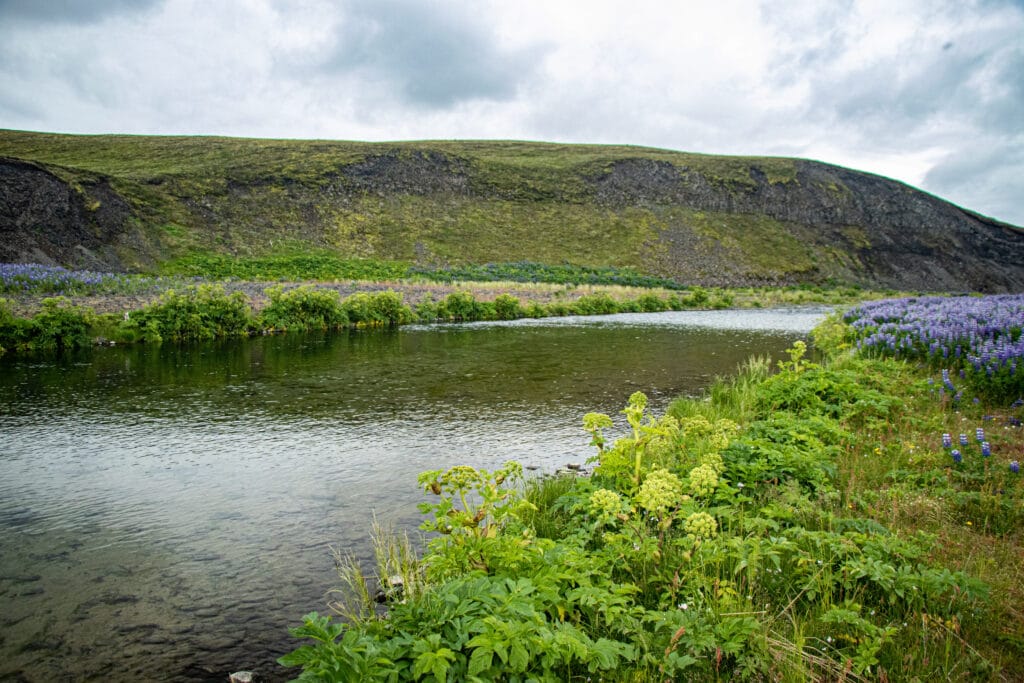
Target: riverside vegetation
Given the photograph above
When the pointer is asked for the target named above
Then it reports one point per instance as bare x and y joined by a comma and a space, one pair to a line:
187, 307
853, 519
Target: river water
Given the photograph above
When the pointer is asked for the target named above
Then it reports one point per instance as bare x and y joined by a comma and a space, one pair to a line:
166, 513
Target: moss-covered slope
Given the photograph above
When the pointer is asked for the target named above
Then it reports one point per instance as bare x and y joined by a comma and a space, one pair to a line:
134, 202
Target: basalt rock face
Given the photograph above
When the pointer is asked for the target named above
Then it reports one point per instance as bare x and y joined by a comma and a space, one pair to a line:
43, 219
698, 219
879, 231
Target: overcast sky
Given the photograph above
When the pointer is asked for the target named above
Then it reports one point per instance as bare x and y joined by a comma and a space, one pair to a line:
925, 91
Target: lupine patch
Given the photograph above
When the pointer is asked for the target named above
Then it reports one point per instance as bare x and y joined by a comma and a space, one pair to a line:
34, 278
979, 337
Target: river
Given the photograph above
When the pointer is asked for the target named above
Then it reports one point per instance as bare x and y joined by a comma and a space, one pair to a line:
166, 513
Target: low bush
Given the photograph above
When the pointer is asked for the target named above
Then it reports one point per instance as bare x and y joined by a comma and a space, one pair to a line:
195, 314
303, 308
57, 327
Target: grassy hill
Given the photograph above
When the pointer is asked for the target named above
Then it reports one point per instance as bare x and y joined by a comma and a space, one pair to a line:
154, 203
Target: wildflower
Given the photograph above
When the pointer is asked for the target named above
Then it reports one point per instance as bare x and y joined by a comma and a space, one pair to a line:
957, 458
1014, 466
986, 449
947, 441
701, 525
660, 491
605, 505
946, 382
979, 434
703, 480
963, 440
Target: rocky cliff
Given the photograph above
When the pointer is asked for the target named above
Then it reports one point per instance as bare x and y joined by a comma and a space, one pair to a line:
132, 203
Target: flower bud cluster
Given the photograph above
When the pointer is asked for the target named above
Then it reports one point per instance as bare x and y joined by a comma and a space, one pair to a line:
701, 525
605, 505
703, 480
660, 492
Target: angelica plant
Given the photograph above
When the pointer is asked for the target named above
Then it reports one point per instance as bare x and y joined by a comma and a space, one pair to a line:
478, 516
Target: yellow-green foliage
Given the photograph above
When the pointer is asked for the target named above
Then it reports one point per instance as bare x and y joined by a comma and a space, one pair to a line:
762, 244
475, 230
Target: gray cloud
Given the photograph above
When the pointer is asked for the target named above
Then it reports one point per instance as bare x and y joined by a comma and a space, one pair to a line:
15, 107
1004, 109
70, 11
900, 94
434, 55
959, 63
987, 176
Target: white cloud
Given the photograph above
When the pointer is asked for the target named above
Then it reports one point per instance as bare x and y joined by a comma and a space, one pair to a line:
912, 90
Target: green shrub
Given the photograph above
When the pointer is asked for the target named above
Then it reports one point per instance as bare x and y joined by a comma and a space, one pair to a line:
650, 303
427, 310
59, 325
698, 297
15, 332
461, 307
381, 308
507, 307
197, 313
389, 309
303, 308
595, 304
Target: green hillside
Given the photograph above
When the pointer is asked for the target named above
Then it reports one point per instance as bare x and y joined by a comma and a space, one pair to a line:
147, 203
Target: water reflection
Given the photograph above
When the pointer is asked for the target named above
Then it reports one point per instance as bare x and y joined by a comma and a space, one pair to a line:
166, 512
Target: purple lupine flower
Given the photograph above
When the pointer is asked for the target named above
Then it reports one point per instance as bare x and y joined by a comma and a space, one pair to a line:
957, 458
947, 440
979, 434
963, 440
986, 448
1014, 466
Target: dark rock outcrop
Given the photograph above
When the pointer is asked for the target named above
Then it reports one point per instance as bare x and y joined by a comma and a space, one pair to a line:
43, 219
905, 238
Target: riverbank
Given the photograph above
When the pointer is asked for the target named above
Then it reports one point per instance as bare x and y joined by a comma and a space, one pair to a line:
848, 520
414, 293
175, 311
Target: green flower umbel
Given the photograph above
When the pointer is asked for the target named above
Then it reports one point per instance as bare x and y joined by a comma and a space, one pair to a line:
660, 492
701, 525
